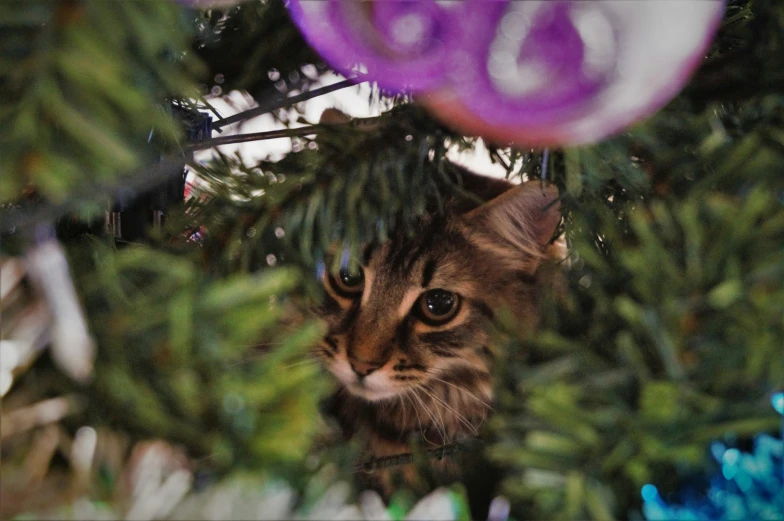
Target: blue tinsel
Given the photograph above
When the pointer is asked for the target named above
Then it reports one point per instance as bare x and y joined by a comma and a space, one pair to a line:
750, 485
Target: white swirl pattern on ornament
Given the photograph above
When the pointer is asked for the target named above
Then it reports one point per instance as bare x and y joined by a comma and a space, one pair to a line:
535, 72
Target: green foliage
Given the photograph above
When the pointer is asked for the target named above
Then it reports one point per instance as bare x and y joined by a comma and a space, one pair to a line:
81, 91
669, 335
206, 362
242, 45
350, 185
674, 339
738, 67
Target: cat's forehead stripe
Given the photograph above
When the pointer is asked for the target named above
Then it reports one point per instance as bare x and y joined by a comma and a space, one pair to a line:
428, 271
408, 251
422, 248
368, 252
395, 258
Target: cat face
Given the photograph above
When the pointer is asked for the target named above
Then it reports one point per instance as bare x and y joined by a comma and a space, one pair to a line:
420, 309
414, 312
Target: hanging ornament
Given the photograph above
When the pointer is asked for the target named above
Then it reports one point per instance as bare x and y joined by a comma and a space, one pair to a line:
538, 73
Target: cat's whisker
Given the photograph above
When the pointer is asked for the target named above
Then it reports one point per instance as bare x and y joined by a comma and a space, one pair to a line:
419, 420
461, 389
481, 421
258, 345
438, 411
247, 360
323, 353
438, 401
253, 357
459, 416
442, 430
250, 360
313, 361
403, 407
416, 410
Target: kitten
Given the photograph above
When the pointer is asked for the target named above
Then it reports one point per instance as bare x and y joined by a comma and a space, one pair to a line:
410, 333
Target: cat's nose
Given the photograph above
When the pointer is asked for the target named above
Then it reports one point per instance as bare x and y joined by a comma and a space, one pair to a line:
363, 368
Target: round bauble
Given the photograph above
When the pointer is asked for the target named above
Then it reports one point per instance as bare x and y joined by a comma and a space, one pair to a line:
535, 73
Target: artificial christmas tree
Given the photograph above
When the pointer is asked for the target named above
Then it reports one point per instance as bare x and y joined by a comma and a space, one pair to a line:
669, 337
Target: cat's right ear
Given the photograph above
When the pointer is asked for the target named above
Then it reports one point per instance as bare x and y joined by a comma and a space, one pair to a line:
518, 225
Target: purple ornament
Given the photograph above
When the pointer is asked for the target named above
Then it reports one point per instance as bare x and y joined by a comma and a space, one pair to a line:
402, 43
538, 72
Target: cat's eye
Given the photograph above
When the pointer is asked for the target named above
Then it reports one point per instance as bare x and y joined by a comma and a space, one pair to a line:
348, 283
438, 306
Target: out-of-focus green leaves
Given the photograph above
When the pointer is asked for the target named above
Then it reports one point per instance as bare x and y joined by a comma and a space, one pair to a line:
221, 365
672, 333
255, 47
677, 340
83, 87
348, 186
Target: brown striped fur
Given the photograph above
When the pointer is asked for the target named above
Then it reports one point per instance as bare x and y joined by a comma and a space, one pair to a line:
434, 383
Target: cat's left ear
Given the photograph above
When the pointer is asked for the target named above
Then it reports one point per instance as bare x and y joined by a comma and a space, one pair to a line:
518, 224
334, 116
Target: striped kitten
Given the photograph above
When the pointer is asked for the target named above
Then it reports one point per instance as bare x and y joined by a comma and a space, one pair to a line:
409, 335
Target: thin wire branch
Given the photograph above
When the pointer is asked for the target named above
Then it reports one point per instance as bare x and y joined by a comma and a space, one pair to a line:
276, 134
256, 136
279, 104
25, 220
500, 159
